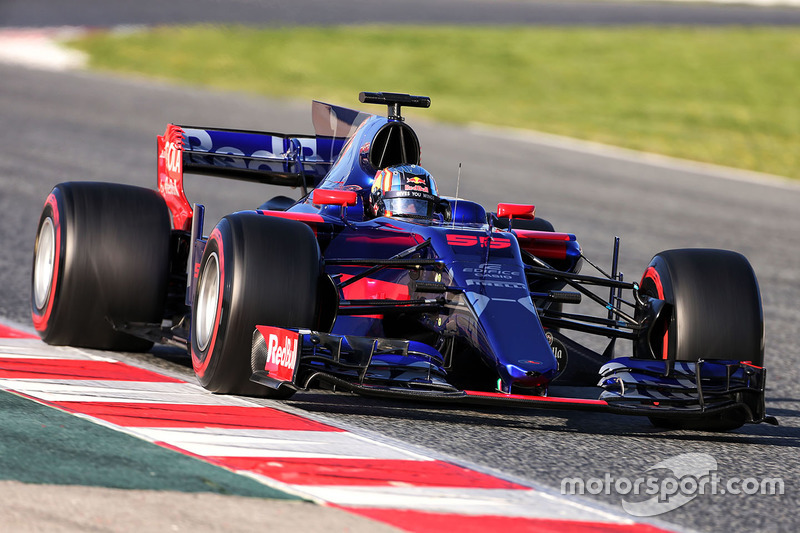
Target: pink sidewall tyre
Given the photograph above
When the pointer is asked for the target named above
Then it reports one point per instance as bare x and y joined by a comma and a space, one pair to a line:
255, 270
101, 257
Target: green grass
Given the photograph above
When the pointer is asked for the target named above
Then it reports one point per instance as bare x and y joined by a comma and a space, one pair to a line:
721, 95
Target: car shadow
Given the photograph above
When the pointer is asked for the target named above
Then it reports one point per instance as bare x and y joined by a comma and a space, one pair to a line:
557, 421
554, 420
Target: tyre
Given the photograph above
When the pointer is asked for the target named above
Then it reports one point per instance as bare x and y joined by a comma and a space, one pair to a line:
537, 224
715, 306
101, 257
715, 314
255, 270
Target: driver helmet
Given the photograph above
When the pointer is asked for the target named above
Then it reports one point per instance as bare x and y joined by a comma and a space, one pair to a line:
404, 191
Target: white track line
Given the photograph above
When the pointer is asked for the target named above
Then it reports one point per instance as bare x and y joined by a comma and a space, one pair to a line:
220, 442
633, 156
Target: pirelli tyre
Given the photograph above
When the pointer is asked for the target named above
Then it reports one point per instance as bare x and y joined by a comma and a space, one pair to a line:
715, 313
101, 258
256, 270
715, 310
537, 224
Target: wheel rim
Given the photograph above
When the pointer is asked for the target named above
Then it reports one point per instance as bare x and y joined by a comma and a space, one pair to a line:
207, 302
44, 264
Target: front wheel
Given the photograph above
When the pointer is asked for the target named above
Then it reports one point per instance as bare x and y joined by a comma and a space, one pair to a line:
715, 307
714, 314
256, 270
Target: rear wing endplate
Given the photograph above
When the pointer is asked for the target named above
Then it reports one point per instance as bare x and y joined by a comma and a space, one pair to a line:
270, 158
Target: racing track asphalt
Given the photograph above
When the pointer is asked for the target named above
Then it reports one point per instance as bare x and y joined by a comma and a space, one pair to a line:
84, 126
277, 12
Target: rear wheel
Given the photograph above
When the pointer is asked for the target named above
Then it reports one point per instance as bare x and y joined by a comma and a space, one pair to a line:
101, 257
537, 224
715, 313
256, 270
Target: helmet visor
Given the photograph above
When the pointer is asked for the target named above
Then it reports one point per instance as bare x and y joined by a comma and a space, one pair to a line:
415, 207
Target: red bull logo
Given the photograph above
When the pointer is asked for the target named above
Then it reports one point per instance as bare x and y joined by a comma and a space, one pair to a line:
282, 351
416, 180
285, 355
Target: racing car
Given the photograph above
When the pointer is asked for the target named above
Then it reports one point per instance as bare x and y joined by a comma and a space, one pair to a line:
372, 283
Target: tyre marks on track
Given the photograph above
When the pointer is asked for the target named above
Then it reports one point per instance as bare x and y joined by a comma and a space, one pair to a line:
409, 489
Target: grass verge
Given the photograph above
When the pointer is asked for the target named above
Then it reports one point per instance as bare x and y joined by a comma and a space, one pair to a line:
720, 95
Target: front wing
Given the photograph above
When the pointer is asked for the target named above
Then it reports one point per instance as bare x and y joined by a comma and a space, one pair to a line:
400, 369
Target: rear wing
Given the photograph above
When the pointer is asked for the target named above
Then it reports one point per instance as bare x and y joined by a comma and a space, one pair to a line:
271, 158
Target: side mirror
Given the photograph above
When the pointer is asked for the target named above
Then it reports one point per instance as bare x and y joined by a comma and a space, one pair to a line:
509, 211
333, 197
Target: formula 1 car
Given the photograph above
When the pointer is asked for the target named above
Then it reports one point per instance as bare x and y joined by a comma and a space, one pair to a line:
372, 283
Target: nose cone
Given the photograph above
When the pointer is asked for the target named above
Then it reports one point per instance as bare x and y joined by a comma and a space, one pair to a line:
502, 324
514, 340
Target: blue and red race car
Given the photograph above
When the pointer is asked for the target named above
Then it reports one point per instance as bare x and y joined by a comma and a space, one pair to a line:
374, 283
